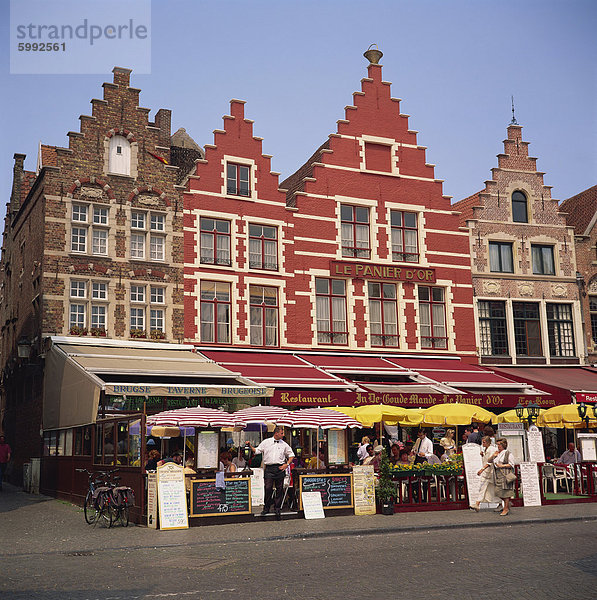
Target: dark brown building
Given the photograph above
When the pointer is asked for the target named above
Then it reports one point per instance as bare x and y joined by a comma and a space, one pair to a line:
92, 246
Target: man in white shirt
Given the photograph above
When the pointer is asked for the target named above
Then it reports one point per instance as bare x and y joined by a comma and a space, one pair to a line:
277, 457
571, 456
423, 447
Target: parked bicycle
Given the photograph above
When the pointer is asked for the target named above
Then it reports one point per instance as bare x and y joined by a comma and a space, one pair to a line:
97, 507
122, 499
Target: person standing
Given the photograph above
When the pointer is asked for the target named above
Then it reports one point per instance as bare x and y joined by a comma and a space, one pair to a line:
502, 464
486, 488
474, 436
448, 443
423, 447
277, 457
4, 458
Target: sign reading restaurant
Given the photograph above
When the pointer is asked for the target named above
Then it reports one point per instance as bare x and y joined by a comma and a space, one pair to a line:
311, 399
389, 272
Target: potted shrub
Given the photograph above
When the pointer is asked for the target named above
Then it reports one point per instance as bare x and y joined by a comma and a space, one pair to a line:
385, 490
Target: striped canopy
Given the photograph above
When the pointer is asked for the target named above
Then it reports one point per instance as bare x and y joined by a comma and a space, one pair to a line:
261, 414
195, 417
318, 417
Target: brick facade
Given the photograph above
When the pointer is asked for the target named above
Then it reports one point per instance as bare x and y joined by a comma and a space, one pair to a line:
523, 265
581, 214
371, 167
95, 234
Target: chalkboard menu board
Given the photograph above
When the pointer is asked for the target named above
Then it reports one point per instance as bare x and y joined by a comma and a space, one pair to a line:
335, 490
207, 500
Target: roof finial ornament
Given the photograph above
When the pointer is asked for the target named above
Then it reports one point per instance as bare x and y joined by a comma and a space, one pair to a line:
373, 55
513, 121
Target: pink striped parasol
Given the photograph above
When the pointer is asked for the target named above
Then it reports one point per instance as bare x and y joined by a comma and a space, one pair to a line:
318, 417
196, 417
262, 414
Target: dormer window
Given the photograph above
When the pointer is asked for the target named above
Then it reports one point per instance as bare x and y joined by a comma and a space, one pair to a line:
238, 180
120, 155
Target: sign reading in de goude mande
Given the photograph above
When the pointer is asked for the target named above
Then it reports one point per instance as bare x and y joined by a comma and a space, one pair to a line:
411, 400
389, 272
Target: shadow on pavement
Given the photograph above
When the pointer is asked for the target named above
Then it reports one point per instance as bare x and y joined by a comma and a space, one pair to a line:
13, 498
87, 594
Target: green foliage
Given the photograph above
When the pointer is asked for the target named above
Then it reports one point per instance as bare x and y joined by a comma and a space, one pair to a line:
385, 490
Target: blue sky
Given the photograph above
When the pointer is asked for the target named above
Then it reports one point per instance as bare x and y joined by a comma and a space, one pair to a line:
455, 65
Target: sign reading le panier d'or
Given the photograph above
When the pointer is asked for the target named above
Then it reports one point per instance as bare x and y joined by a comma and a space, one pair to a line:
389, 272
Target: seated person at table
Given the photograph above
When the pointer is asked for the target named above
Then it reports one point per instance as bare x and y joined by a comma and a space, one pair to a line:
433, 459
394, 454
190, 471
571, 456
226, 463
239, 462
404, 458
362, 451
152, 463
317, 462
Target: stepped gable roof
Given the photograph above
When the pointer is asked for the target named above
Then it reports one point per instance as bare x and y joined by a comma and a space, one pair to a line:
48, 156
465, 206
295, 182
581, 210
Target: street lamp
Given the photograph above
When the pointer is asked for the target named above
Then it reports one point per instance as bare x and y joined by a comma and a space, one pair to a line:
519, 408
24, 348
533, 412
582, 413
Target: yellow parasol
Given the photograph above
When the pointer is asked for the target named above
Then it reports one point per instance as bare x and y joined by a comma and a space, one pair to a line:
510, 416
349, 411
564, 415
456, 414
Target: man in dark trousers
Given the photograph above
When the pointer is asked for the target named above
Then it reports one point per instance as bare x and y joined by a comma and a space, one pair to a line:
277, 457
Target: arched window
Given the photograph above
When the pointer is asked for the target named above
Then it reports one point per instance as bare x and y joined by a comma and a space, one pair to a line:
120, 155
520, 212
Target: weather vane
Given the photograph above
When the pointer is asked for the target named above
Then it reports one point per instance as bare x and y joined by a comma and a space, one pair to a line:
513, 122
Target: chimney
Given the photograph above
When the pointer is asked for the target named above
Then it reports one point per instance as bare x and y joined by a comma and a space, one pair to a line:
122, 76
163, 120
17, 183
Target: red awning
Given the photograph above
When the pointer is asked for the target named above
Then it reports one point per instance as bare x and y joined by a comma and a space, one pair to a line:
277, 370
356, 364
457, 373
579, 379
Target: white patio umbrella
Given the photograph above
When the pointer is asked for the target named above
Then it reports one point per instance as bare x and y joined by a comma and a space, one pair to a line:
261, 414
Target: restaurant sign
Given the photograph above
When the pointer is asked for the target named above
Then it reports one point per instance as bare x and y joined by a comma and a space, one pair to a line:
305, 399
235, 391
586, 397
389, 272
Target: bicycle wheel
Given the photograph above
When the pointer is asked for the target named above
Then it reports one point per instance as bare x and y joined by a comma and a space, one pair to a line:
89, 509
104, 514
123, 516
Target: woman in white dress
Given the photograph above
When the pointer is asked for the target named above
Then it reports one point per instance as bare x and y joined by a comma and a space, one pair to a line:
487, 487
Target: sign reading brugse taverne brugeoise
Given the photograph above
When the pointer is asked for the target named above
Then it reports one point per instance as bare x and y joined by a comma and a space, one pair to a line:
377, 271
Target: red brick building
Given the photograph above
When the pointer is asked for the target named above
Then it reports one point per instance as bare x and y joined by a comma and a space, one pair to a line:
352, 276
581, 213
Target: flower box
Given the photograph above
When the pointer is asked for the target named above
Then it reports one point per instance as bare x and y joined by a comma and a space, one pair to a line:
155, 334
138, 333
76, 330
98, 332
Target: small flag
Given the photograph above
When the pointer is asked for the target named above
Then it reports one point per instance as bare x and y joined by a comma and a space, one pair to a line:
160, 158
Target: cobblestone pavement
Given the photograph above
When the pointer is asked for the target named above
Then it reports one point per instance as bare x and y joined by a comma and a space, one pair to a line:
48, 552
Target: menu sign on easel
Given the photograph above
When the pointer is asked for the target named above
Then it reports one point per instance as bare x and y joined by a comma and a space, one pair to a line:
471, 455
207, 500
152, 500
172, 497
363, 478
535, 444
529, 480
207, 450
